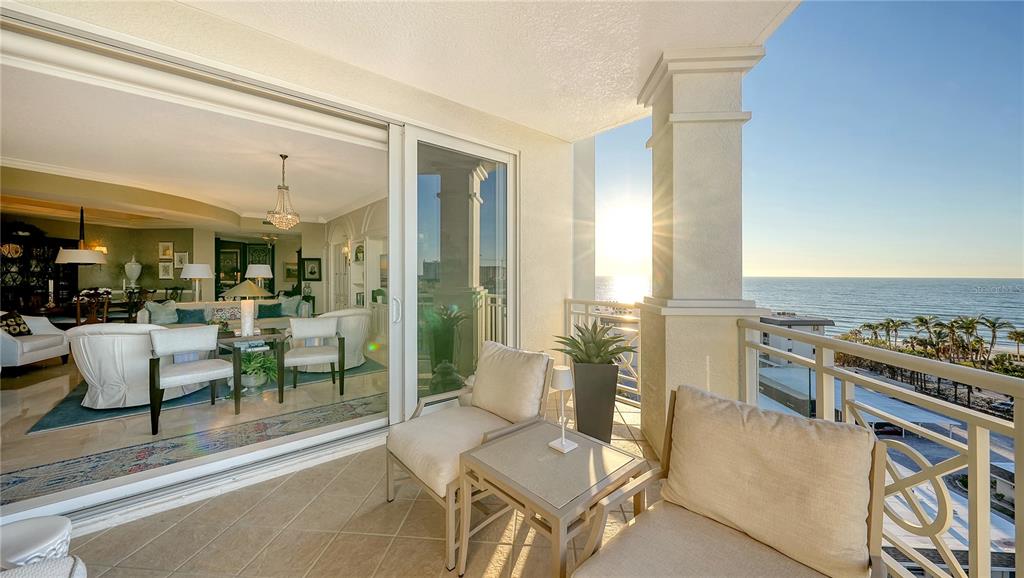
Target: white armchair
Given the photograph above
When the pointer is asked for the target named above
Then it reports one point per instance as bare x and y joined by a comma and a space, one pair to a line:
46, 342
320, 330
749, 492
354, 326
113, 358
507, 393
170, 342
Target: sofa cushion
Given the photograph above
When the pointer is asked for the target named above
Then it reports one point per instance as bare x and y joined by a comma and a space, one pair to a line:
668, 540
771, 475
191, 315
162, 313
30, 343
14, 325
266, 311
509, 382
290, 306
221, 312
430, 445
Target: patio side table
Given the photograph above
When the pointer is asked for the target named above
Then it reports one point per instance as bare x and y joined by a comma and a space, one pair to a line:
556, 492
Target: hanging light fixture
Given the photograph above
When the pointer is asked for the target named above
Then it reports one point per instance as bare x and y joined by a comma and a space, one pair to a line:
81, 255
283, 216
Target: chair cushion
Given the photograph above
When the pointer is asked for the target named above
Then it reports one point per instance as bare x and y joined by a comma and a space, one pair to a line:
509, 382
190, 316
311, 355
191, 372
66, 567
14, 325
668, 540
771, 476
31, 343
265, 311
162, 313
430, 444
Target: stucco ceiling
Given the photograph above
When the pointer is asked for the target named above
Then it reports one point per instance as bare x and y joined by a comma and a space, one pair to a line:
570, 69
70, 128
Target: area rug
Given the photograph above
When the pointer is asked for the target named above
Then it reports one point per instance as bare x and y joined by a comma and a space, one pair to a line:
77, 472
70, 412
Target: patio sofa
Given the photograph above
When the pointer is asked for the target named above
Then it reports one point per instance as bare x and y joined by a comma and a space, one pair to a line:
229, 311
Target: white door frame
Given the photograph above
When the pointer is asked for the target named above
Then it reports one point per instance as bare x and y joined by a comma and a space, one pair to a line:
407, 270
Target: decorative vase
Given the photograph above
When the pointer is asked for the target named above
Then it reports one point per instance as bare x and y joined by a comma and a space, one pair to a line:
253, 380
595, 398
132, 270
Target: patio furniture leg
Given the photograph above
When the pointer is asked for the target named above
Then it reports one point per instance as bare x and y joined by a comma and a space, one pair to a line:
156, 395
389, 475
333, 369
236, 357
451, 544
560, 546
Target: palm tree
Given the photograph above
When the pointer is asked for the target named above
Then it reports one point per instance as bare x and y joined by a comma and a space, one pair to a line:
887, 325
897, 326
925, 323
994, 324
872, 328
1016, 336
947, 330
969, 326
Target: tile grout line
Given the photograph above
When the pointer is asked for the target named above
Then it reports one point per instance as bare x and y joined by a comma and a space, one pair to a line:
392, 542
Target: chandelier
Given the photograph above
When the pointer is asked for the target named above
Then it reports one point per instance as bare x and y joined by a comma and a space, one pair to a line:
283, 216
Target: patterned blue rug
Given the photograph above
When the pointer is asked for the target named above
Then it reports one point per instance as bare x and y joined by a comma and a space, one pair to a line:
77, 472
70, 412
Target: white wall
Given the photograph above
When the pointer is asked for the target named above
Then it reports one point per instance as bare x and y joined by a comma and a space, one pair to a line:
545, 161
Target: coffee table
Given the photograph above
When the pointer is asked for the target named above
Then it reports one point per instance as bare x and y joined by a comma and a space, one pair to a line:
556, 492
269, 340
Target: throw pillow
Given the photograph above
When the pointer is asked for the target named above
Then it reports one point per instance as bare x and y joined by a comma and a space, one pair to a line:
223, 313
191, 316
265, 311
164, 313
509, 382
14, 325
290, 306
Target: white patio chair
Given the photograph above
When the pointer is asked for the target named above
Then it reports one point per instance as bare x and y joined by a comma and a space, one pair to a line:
168, 342
507, 393
749, 492
319, 331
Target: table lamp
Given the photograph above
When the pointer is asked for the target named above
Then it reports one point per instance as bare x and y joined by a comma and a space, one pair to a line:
195, 272
259, 273
561, 382
246, 290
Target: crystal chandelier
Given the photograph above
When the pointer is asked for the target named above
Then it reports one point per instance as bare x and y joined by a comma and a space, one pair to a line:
283, 216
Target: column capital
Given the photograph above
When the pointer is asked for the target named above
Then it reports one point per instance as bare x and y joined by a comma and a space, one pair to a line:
698, 60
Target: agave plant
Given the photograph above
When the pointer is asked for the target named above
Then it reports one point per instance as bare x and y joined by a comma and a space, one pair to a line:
594, 344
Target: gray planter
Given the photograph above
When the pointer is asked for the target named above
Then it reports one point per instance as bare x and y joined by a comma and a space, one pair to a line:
595, 386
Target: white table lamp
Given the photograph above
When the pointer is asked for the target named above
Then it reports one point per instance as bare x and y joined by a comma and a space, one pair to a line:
195, 272
259, 273
561, 382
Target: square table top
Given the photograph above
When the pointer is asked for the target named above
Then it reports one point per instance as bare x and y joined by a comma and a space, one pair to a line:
524, 458
267, 336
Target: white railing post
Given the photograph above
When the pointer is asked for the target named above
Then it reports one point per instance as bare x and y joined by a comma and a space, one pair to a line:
848, 397
979, 501
824, 384
749, 384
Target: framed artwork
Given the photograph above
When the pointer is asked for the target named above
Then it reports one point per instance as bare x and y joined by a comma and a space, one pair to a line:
311, 269
165, 250
180, 260
166, 270
229, 265
291, 271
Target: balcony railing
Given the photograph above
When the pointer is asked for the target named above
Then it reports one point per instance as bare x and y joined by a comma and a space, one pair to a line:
927, 519
495, 311
625, 318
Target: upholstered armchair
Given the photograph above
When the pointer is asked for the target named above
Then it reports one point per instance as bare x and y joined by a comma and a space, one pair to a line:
354, 326
319, 331
46, 342
170, 342
507, 393
749, 492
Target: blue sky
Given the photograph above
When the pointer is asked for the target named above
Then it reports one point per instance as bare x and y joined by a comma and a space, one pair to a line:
887, 140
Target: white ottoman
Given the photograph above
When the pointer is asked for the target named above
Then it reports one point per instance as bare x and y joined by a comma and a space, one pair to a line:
29, 541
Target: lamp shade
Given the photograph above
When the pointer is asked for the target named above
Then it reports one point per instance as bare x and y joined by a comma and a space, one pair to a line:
80, 257
196, 271
562, 378
246, 289
255, 271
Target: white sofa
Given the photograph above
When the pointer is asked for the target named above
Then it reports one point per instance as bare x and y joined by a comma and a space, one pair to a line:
46, 342
354, 326
209, 306
114, 360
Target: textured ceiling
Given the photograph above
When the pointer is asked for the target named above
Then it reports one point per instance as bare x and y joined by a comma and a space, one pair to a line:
570, 69
65, 127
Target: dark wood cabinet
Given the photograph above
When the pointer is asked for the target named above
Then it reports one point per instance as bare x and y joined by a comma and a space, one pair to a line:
27, 266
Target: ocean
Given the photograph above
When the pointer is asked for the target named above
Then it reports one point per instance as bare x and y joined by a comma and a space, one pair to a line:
852, 301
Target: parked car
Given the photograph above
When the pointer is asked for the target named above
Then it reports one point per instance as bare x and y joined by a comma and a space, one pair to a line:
1005, 407
884, 428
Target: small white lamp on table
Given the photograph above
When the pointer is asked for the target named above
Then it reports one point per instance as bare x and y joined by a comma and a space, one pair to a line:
561, 382
259, 273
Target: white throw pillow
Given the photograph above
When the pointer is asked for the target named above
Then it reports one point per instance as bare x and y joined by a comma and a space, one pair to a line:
165, 313
290, 306
799, 485
509, 382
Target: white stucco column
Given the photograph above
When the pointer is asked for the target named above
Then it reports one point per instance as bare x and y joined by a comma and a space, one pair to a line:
689, 322
584, 217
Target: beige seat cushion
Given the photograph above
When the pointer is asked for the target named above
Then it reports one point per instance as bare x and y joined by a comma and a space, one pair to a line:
191, 372
798, 485
430, 444
671, 541
310, 355
509, 382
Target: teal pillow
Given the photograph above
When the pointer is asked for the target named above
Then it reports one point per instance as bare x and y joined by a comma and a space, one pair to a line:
290, 306
191, 316
265, 311
164, 313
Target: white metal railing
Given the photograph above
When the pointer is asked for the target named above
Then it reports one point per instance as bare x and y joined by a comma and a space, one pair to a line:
625, 317
495, 311
915, 516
